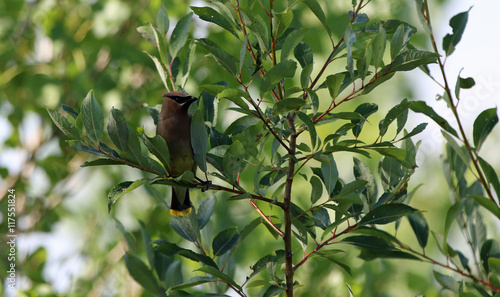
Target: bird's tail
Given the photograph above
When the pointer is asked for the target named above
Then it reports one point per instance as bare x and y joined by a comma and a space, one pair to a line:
181, 204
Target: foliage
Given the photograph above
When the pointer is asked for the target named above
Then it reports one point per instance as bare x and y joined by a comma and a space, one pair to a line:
297, 112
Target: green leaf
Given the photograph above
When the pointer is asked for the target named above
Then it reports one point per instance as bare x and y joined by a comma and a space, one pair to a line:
146, 240
158, 147
488, 204
183, 227
199, 140
328, 254
233, 160
491, 175
310, 127
161, 44
234, 95
180, 34
243, 52
350, 38
386, 213
291, 42
287, 105
147, 32
241, 123
284, 69
218, 274
378, 47
64, 125
213, 16
142, 274
365, 110
422, 107
330, 174
195, 281
418, 129
399, 154
171, 249
161, 70
446, 281
85, 148
162, 21
362, 172
462, 83
490, 249
484, 123
303, 54
305, 79
334, 82
411, 59
93, 119
457, 23
133, 152
123, 188
392, 115
273, 291
318, 11
118, 129
420, 228
225, 240
205, 211
372, 243
281, 22
223, 58
101, 162
317, 189
400, 39
451, 215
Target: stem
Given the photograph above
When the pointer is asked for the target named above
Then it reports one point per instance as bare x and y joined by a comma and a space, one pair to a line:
268, 221
289, 270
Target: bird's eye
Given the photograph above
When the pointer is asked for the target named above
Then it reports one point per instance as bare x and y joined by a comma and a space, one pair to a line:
182, 99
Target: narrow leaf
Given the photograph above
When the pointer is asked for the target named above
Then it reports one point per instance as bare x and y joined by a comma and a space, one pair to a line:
484, 123
93, 120
118, 129
180, 34
224, 241
386, 213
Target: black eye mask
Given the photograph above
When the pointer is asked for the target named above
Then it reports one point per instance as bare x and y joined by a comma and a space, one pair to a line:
183, 99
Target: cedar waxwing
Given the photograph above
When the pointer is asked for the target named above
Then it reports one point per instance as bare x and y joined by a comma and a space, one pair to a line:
174, 125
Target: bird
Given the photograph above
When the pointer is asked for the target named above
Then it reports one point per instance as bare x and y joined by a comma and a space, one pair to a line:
174, 125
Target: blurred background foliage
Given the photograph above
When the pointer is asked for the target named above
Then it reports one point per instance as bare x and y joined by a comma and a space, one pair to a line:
53, 52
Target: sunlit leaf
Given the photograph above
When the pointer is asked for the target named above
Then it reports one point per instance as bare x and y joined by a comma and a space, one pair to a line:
484, 123
180, 34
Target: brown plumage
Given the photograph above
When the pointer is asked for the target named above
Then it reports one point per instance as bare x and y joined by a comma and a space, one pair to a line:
174, 124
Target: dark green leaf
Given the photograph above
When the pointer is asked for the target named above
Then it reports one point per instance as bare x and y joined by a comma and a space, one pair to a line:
223, 58
317, 189
422, 107
462, 83
392, 115
142, 274
287, 105
303, 54
420, 228
411, 59
158, 147
180, 34
334, 82
225, 240
241, 123
171, 249
218, 274
285, 69
491, 175
378, 47
419, 128
362, 172
182, 226
233, 160
365, 110
85, 148
211, 15
73, 113
118, 129
490, 249
310, 127
273, 291
457, 23
146, 240
484, 123
330, 174
488, 204
199, 140
195, 281
386, 213
316, 9
63, 124
369, 242
160, 69
93, 119
101, 162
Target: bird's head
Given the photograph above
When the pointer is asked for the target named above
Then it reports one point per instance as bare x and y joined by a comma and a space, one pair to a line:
183, 99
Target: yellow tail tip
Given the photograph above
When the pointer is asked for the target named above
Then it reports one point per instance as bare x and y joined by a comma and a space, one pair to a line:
178, 213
